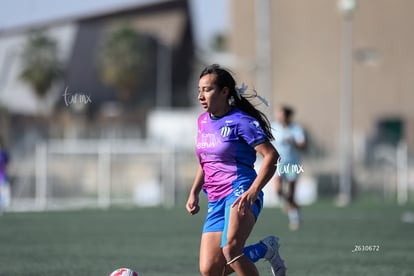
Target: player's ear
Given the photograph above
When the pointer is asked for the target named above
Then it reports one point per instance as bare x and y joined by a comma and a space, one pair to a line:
225, 91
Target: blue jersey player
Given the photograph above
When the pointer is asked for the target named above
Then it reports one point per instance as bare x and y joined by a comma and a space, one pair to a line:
4, 186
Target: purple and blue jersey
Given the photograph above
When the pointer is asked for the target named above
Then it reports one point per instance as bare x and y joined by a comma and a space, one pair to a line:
4, 159
225, 148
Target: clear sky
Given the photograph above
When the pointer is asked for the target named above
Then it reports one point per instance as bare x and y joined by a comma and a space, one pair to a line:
209, 16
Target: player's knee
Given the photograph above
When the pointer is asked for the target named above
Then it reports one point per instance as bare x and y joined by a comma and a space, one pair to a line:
206, 269
231, 252
210, 268
290, 197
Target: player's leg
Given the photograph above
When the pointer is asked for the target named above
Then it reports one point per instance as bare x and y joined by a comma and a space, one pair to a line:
212, 260
267, 248
293, 212
277, 181
290, 197
238, 230
278, 186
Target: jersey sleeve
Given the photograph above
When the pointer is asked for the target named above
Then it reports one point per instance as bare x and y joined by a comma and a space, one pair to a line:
251, 132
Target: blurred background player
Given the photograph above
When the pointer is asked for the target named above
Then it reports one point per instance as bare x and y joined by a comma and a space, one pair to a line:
4, 185
289, 140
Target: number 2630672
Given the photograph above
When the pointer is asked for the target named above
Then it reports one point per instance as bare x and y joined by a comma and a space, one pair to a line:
366, 248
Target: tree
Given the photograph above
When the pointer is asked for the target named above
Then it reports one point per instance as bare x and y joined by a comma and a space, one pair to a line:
41, 66
122, 59
218, 42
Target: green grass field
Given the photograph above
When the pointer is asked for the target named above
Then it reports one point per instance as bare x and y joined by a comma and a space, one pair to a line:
157, 241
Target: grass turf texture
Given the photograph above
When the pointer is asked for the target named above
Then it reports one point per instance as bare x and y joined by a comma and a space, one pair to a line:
158, 242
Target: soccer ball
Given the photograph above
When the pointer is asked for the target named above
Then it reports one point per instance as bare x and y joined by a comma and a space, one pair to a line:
124, 272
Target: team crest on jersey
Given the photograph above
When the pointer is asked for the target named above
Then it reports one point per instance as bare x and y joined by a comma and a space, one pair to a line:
239, 191
225, 131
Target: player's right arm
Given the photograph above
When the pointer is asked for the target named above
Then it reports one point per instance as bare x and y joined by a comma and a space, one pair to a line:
299, 137
193, 198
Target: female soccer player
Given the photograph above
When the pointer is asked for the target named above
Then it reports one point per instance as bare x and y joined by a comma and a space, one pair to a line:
289, 140
230, 133
4, 184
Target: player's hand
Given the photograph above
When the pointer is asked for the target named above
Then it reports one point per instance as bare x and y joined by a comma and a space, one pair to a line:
246, 200
192, 205
288, 140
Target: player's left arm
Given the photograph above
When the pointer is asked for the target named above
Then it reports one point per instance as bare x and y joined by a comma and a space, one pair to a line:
299, 137
268, 167
266, 171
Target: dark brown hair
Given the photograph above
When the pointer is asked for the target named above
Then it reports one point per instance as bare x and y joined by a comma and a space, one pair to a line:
225, 79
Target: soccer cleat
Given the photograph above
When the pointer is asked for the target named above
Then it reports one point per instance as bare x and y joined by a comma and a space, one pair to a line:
273, 257
294, 226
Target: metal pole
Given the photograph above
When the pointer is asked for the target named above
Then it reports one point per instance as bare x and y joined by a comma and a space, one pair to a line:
346, 156
264, 50
164, 78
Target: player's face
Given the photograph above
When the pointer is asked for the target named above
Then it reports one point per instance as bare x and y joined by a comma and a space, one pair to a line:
280, 115
211, 97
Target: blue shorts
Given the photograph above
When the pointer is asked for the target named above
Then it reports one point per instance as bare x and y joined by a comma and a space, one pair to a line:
218, 214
